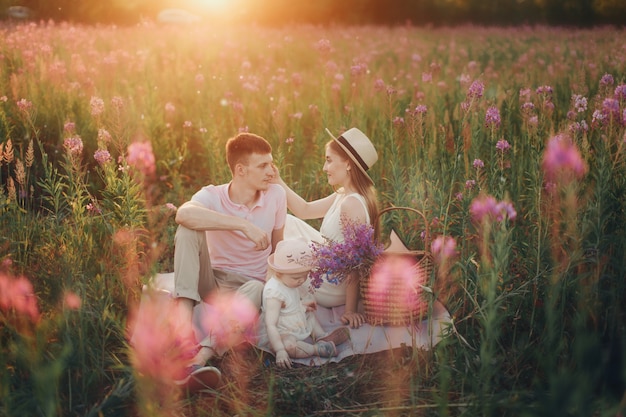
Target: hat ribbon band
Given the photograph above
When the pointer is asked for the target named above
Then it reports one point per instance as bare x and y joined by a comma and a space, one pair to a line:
354, 153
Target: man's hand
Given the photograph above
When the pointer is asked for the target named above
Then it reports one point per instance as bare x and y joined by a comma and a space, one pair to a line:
282, 359
258, 236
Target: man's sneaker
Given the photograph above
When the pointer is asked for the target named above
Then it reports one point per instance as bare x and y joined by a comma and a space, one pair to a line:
200, 378
337, 336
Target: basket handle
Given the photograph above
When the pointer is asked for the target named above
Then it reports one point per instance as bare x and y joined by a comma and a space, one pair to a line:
419, 213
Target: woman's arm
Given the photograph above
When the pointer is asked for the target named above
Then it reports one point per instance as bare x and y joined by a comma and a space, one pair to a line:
272, 308
301, 208
352, 209
350, 316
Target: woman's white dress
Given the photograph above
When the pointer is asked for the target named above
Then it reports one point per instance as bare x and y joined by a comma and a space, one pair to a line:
328, 295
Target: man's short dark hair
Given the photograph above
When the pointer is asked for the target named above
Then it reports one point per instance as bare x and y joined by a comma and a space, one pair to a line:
240, 147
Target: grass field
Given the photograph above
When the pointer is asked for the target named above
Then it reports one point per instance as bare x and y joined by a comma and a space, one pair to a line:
510, 140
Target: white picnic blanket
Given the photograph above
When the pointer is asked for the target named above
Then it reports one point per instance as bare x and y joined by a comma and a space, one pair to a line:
366, 339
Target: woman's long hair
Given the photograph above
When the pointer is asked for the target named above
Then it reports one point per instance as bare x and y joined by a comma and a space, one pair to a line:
363, 186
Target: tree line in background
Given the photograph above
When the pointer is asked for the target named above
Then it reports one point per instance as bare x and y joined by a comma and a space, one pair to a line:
583, 13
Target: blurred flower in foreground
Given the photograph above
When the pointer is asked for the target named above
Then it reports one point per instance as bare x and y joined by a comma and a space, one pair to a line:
562, 162
391, 271
17, 295
72, 301
141, 157
443, 249
487, 208
162, 341
230, 319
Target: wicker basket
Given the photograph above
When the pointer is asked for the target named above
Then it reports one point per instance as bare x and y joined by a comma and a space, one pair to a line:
394, 293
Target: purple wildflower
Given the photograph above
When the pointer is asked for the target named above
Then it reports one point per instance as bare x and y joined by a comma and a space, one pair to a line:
476, 90
478, 164
470, 184
620, 92
607, 80
74, 145
102, 156
580, 103
527, 107
503, 146
335, 261
420, 109
492, 117
487, 208
610, 108
443, 248
545, 90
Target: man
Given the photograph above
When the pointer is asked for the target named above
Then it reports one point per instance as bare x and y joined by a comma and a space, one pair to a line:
226, 233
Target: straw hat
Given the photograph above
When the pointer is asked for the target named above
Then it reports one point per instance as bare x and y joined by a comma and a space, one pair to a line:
358, 147
292, 256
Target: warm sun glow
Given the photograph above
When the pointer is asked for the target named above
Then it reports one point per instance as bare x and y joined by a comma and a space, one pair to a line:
214, 6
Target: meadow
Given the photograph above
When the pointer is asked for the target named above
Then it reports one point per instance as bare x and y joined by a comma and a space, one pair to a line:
510, 140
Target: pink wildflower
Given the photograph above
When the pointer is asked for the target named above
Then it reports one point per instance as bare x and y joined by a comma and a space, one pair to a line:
607, 80
323, 46
72, 301
161, 338
545, 90
24, 105
620, 92
230, 319
610, 109
492, 118
397, 270
443, 248
476, 90
562, 161
503, 145
421, 109
73, 145
102, 156
16, 294
169, 107
104, 136
141, 157
69, 127
487, 208
478, 164
524, 94
97, 106
580, 103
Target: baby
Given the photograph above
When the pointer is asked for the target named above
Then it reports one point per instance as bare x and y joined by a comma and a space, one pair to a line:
287, 320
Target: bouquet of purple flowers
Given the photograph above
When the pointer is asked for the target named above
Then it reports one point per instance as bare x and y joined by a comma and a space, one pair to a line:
336, 261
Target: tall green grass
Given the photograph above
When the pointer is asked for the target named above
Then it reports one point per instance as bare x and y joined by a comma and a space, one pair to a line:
537, 302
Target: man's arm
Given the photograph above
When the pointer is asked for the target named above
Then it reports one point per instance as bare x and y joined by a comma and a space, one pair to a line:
195, 216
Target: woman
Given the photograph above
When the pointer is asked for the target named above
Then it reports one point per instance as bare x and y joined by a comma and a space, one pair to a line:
348, 158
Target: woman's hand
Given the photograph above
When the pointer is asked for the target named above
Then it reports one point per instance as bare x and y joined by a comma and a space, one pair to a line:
354, 320
283, 360
276, 178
